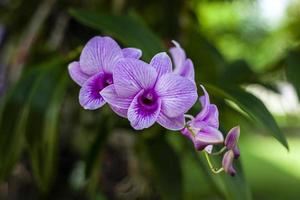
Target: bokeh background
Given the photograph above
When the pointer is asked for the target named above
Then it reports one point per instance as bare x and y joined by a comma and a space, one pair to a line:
245, 52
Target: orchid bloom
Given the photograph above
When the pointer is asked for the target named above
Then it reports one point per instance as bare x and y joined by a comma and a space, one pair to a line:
203, 129
94, 70
149, 93
231, 141
183, 65
227, 163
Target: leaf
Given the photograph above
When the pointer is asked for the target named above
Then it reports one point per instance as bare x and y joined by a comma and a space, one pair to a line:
127, 29
13, 121
44, 111
239, 72
253, 107
166, 167
293, 69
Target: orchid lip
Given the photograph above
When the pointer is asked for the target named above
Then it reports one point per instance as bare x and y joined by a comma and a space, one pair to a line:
149, 99
107, 80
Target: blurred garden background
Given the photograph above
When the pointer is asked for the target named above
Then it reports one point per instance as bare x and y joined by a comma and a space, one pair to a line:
246, 53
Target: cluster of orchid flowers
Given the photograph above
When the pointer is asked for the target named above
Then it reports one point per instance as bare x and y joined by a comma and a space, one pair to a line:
148, 93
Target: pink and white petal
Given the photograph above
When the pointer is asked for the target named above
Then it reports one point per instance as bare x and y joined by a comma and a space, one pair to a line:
187, 70
178, 94
132, 75
119, 111
100, 54
77, 74
205, 102
162, 63
178, 56
209, 135
111, 97
174, 124
89, 95
131, 52
139, 116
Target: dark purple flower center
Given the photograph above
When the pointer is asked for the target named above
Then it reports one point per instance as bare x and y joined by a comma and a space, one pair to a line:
107, 80
148, 99
99, 83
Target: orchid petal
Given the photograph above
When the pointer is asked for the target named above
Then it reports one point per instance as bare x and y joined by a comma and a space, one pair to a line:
131, 75
77, 74
132, 53
110, 96
187, 133
178, 94
89, 95
187, 70
178, 56
120, 111
227, 163
232, 138
162, 63
175, 123
205, 105
100, 54
209, 135
141, 117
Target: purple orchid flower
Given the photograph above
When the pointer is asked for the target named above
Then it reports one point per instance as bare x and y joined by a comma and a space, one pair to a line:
183, 66
203, 129
227, 163
231, 141
94, 70
149, 93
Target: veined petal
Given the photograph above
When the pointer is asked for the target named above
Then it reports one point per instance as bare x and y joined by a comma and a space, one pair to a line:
131, 76
227, 163
205, 105
141, 117
178, 56
77, 74
175, 123
100, 54
89, 95
212, 117
120, 111
131, 52
187, 70
110, 96
232, 138
209, 135
162, 63
178, 94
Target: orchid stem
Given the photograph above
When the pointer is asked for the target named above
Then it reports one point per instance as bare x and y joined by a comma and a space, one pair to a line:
218, 152
214, 170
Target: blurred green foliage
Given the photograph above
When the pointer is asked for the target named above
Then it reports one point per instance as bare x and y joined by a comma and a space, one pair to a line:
51, 148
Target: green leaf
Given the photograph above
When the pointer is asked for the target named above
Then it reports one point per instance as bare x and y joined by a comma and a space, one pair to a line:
293, 69
127, 29
12, 128
253, 107
44, 111
166, 167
